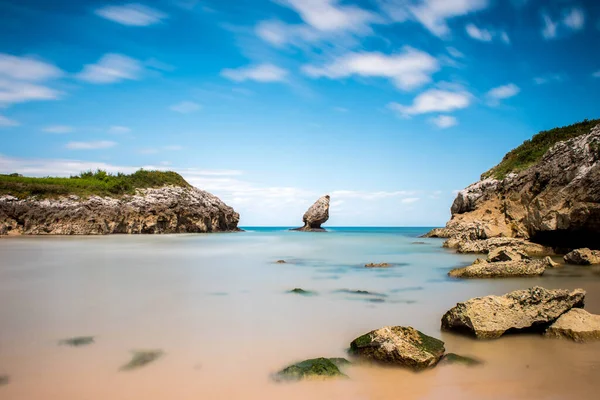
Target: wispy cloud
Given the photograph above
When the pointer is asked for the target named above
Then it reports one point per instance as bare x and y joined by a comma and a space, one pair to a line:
434, 100
102, 144
59, 129
259, 73
111, 68
454, 52
486, 34
132, 14
408, 70
410, 200
174, 147
354, 194
6, 122
502, 92
596, 74
550, 27
12, 92
572, 19
444, 121
548, 78
185, 107
118, 130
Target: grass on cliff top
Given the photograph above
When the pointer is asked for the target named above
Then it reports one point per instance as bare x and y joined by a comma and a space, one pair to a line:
532, 150
99, 183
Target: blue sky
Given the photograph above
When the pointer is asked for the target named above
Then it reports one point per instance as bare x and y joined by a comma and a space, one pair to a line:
390, 106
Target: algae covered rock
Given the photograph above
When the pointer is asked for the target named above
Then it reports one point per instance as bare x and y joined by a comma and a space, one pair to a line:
316, 368
583, 256
77, 341
399, 346
490, 317
141, 358
577, 325
452, 358
302, 292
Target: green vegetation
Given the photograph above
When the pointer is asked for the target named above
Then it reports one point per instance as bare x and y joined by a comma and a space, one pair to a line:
88, 183
531, 151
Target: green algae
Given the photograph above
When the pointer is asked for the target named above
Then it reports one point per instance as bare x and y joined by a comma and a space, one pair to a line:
141, 358
77, 341
313, 369
431, 344
452, 358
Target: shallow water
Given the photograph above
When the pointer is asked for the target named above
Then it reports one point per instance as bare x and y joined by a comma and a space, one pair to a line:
217, 306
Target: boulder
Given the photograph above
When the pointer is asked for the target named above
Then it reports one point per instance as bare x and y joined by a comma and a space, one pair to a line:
490, 317
485, 246
501, 269
583, 256
313, 369
378, 265
507, 254
316, 215
577, 324
399, 346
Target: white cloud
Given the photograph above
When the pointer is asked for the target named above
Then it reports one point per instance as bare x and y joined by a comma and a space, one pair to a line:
408, 70
27, 69
353, 194
550, 27
454, 52
574, 19
483, 35
503, 92
111, 68
174, 147
118, 130
548, 78
131, 14
185, 107
410, 200
340, 109
504, 37
444, 121
434, 100
432, 14
259, 73
7, 122
596, 74
13, 91
59, 129
102, 144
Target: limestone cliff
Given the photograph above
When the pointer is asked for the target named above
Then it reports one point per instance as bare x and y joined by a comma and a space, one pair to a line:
555, 202
168, 209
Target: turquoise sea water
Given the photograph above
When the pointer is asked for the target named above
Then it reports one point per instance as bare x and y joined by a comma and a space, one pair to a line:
218, 306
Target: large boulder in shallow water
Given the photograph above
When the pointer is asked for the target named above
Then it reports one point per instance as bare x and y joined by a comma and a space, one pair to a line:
491, 316
577, 324
316, 215
583, 256
399, 346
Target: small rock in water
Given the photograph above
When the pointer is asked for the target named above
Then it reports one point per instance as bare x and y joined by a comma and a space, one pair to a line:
280, 262
379, 265
583, 256
418, 243
77, 341
399, 346
452, 358
316, 368
577, 325
361, 292
141, 358
501, 269
4, 380
302, 292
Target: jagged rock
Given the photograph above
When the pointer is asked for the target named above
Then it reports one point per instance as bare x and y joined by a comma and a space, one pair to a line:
378, 265
491, 316
577, 324
399, 346
311, 369
501, 269
485, 246
556, 201
168, 209
583, 256
316, 215
507, 254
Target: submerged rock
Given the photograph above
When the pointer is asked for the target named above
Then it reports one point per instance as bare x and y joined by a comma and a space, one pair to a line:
577, 325
503, 269
280, 262
583, 256
316, 215
141, 358
399, 346
452, 358
302, 292
313, 369
550, 263
361, 292
77, 341
378, 265
4, 380
490, 317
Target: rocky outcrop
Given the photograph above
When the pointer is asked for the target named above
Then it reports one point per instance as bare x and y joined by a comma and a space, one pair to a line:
488, 245
577, 325
168, 209
502, 269
315, 216
507, 254
555, 202
492, 316
316, 368
399, 346
583, 257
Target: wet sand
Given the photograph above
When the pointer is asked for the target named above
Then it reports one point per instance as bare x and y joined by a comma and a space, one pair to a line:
218, 308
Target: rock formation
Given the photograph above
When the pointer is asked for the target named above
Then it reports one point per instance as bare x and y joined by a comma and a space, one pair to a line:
555, 201
577, 325
399, 346
583, 257
168, 209
315, 216
316, 368
502, 269
491, 316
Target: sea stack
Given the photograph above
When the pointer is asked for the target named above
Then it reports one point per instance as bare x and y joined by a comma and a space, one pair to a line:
315, 216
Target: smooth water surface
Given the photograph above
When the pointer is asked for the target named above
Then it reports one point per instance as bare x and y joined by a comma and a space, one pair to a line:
216, 306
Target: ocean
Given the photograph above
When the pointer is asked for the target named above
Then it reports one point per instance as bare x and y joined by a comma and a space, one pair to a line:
218, 307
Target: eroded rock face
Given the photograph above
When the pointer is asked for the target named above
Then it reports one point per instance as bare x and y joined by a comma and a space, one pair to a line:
507, 254
316, 215
399, 346
162, 210
583, 256
490, 317
501, 269
556, 201
577, 325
